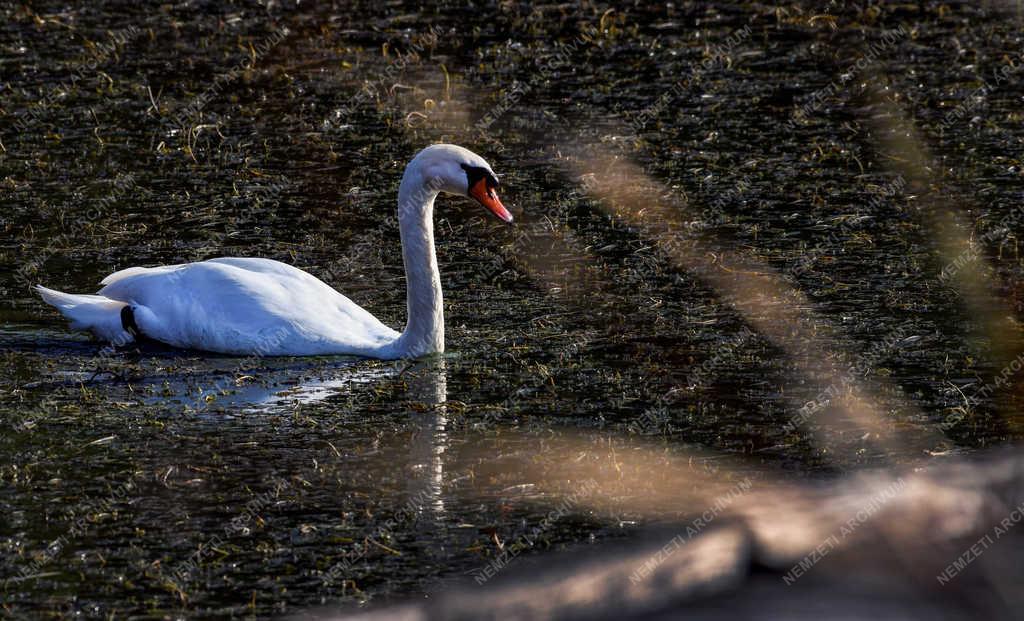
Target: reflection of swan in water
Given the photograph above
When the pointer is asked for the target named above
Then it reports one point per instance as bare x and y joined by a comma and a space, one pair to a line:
428, 383
282, 383
274, 384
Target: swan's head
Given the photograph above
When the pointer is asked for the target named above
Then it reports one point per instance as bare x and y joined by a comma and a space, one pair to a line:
456, 170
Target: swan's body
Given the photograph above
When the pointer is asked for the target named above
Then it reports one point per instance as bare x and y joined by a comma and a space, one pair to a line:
233, 306
251, 306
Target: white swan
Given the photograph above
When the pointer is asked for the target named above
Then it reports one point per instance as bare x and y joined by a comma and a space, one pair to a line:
251, 306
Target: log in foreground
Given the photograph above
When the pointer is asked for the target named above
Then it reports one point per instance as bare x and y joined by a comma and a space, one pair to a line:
942, 542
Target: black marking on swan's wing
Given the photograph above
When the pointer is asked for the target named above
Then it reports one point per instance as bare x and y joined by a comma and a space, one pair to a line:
476, 173
128, 322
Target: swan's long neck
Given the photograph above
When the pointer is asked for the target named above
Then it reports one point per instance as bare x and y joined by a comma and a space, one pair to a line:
424, 330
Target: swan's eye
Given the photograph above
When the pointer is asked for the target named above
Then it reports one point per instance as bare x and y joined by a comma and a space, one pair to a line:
475, 173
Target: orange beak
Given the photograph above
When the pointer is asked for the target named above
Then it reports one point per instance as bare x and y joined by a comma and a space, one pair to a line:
489, 198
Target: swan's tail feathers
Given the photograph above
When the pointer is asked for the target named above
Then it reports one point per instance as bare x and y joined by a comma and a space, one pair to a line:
100, 315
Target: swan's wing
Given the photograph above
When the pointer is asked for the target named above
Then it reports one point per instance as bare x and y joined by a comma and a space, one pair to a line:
262, 266
134, 271
247, 306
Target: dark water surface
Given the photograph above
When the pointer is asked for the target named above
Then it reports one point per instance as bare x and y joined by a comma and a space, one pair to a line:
145, 134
